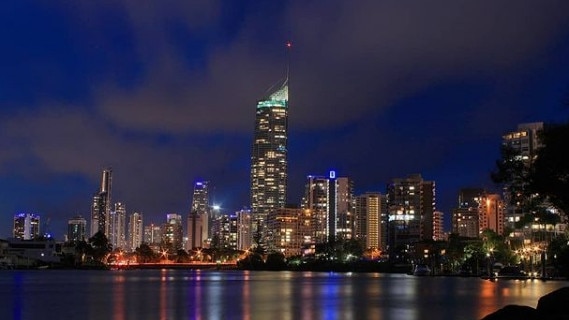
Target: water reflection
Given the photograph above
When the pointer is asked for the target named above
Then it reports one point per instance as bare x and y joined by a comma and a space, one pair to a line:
190, 294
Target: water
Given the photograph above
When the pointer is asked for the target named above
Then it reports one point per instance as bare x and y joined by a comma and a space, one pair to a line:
195, 294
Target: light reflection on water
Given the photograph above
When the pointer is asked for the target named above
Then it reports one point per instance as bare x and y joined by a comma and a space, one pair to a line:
195, 294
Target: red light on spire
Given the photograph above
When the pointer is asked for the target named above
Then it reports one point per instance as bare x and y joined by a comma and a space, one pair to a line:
288, 44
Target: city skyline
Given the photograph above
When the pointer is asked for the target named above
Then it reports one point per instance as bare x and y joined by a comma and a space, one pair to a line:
166, 96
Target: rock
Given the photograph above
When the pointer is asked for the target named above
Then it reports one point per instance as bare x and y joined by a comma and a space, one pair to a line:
513, 312
554, 305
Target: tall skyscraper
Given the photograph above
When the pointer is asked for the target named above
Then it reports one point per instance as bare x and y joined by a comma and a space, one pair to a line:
196, 230
269, 156
316, 199
411, 205
172, 232
101, 207
26, 226
77, 229
525, 141
117, 226
135, 231
153, 235
370, 213
200, 215
244, 229
344, 208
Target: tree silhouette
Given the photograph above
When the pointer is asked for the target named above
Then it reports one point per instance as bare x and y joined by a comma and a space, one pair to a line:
101, 246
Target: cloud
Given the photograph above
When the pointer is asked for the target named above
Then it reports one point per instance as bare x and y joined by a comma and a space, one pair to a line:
351, 57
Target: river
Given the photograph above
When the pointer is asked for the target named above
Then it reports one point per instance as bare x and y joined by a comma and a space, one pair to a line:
232, 294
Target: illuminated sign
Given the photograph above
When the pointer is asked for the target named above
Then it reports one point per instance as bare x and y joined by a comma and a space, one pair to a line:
332, 174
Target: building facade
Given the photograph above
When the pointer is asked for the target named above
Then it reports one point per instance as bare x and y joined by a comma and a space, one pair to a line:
101, 206
411, 205
290, 230
370, 220
77, 229
269, 156
244, 229
172, 233
466, 216
153, 236
135, 230
26, 226
117, 226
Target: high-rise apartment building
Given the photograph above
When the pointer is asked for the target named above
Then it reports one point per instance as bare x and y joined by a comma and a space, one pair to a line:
370, 220
117, 226
317, 200
411, 204
153, 235
196, 230
491, 213
344, 208
225, 232
135, 230
525, 141
77, 229
269, 156
331, 202
290, 230
172, 233
438, 226
26, 226
244, 229
101, 207
466, 217
200, 216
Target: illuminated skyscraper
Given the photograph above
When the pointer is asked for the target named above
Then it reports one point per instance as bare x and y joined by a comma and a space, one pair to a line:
77, 229
26, 226
153, 235
135, 231
411, 205
269, 156
117, 226
317, 200
200, 215
172, 233
101, 207
370, 220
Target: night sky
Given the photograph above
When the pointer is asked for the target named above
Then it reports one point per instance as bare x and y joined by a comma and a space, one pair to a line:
164, 92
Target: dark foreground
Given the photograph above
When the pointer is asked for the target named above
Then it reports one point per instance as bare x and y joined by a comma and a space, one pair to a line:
551, 306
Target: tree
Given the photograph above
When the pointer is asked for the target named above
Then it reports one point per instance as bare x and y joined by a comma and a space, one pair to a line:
275, 261
145, 254
549, 176
101, 246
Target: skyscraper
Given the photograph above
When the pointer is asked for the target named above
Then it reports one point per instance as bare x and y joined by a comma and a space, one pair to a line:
317, 200
370, 215
26, 226
117, 226
200, 215
269, 156
76, 229
101, 207
411, 204
172, 233
135, 231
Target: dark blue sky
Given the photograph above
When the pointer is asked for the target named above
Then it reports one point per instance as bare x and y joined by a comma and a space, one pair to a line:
165, 93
